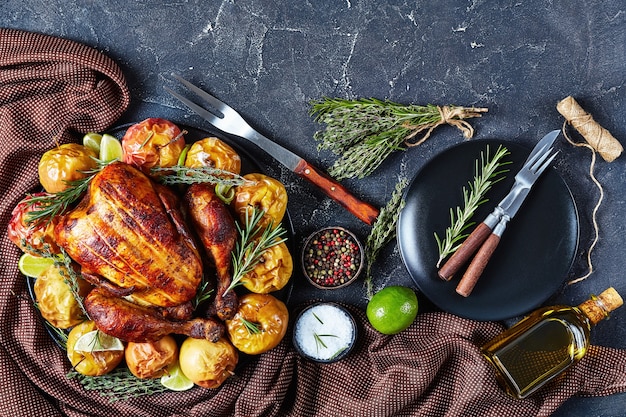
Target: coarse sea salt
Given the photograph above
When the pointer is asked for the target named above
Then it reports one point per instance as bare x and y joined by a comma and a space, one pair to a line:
324, 332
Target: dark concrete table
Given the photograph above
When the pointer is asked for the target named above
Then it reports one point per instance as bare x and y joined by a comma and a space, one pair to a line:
269, 59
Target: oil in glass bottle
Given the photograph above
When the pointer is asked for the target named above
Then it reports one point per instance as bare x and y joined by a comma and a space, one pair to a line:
547, 342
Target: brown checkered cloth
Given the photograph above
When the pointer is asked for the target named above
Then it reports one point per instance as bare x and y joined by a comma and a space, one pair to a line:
51, 88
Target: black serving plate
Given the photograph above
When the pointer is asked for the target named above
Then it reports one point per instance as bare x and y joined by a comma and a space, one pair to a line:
535, 253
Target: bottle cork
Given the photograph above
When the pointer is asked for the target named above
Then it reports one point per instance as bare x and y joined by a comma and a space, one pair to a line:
598, 307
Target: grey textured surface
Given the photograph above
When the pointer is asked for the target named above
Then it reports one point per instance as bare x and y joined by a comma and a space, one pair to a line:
268, 59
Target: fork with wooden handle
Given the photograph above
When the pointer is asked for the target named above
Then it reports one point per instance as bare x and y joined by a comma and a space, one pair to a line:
228, 120
486, 237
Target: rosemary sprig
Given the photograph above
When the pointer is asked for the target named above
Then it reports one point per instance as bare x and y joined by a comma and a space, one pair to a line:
317, 318
118, 384
487, 172
51, 205
203, 294
319, 343
249, 249
364, 132
180, 174
383, 231
252, 328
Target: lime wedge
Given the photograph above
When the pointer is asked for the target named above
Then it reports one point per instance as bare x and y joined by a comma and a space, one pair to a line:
110, 148
96, 341
92, 141
33, 266
175, 379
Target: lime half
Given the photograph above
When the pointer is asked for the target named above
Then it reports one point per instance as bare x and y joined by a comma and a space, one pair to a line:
96, 341
175, 379
33, 266
92, 141
110, 148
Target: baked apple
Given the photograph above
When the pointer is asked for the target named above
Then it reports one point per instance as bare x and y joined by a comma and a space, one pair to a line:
91, 363
32, 237
55, 299
151, 359
67, 162
264, 193
208, 364
259, 324
215, 153
153, 142
272, 272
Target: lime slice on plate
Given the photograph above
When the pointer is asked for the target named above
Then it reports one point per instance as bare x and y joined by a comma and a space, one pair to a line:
33, 266
175, 379
92, 141
96, 341
110, 148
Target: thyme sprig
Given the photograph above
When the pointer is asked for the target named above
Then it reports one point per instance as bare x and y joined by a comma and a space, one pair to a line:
487, 172
119, 384
180, 174
249, 248
50, 205
70, 276
383, 231
64, 264
364, 132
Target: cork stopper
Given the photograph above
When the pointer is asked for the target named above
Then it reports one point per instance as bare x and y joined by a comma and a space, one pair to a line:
598, 307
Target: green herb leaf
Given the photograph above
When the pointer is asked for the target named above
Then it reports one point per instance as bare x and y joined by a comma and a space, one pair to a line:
487, 172
252, 328
383, 231
364, 132
249, 249
119, 384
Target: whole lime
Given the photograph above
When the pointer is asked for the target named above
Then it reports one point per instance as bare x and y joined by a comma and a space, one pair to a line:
392, 309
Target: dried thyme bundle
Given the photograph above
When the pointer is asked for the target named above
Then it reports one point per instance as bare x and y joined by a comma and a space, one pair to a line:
365, 132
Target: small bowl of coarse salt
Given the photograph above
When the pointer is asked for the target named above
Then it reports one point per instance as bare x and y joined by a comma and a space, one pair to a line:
324, 332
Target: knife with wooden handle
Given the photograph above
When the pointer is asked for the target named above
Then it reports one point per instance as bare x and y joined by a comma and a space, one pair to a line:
534, 165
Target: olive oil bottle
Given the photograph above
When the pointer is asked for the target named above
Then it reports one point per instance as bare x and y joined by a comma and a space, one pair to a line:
547, 342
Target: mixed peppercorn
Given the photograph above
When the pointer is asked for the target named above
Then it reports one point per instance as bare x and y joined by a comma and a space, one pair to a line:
332, 257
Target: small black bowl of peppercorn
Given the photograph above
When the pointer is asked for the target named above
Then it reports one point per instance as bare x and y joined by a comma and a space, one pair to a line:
332, 258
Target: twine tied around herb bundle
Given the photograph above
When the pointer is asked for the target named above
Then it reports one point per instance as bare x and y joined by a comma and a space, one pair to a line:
451, 115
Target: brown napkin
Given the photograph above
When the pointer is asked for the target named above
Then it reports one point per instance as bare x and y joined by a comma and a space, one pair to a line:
50, 87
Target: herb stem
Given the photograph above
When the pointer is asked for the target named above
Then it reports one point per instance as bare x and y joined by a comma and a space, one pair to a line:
249, 249
180, 174
364, 132
383, 231
487, 172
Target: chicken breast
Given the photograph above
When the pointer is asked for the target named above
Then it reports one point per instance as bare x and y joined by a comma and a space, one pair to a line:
127, 234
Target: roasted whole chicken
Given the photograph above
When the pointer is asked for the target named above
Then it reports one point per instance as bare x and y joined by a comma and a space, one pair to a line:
216, 228
128, 237
130, 240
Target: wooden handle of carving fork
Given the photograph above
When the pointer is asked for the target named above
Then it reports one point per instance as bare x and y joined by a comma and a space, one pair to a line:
364, 211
